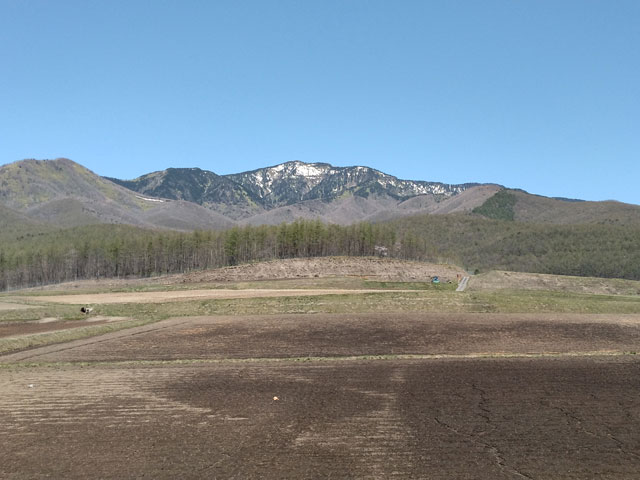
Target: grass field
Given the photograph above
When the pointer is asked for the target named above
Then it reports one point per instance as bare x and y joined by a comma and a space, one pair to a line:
409, 380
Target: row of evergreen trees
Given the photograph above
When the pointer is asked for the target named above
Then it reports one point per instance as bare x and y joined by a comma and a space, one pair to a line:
119, 251
103, 251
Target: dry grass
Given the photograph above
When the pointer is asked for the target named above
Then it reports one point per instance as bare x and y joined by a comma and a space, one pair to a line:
500, 280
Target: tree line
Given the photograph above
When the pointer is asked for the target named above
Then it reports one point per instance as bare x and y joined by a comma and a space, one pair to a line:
106, 251
476, 244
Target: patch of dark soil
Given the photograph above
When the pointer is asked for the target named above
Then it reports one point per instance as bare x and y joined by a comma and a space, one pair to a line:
12, 329
438, 419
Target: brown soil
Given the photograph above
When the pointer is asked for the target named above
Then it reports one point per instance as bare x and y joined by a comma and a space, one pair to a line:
12, 329
572, 416
439, 419
324, 335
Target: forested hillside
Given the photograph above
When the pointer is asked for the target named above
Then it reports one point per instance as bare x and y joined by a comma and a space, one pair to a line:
508, 204
476, 244
482, 244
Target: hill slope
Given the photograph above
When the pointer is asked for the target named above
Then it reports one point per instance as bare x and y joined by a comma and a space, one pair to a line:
198, 186
64, 193
517, 205
14, 225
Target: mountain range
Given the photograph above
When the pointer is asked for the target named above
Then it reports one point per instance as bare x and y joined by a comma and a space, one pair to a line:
63, 193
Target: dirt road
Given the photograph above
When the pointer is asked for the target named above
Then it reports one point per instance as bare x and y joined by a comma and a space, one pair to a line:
185, 295
463, 284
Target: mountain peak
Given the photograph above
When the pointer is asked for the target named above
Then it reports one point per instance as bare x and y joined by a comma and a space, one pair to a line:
284, 184
298, 168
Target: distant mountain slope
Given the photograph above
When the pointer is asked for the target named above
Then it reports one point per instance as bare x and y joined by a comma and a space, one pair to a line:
10, 218
64, 193
293, 182
14, 225
29, 183
197, 186
294, 190
349, 208
535, 208
521, 206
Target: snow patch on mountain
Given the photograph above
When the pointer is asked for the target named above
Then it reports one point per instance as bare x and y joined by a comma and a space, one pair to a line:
308, 170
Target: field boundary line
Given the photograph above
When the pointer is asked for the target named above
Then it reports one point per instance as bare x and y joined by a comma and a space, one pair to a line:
351, 358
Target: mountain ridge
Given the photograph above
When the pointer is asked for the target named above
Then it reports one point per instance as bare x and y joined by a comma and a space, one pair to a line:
66, 194
283, 184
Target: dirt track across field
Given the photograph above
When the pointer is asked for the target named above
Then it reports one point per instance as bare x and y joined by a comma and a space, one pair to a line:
186, 295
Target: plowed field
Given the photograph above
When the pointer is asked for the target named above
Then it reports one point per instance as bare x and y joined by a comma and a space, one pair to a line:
440, 419
321, 335
300, 396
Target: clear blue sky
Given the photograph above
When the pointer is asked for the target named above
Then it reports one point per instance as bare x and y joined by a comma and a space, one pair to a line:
542, 95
